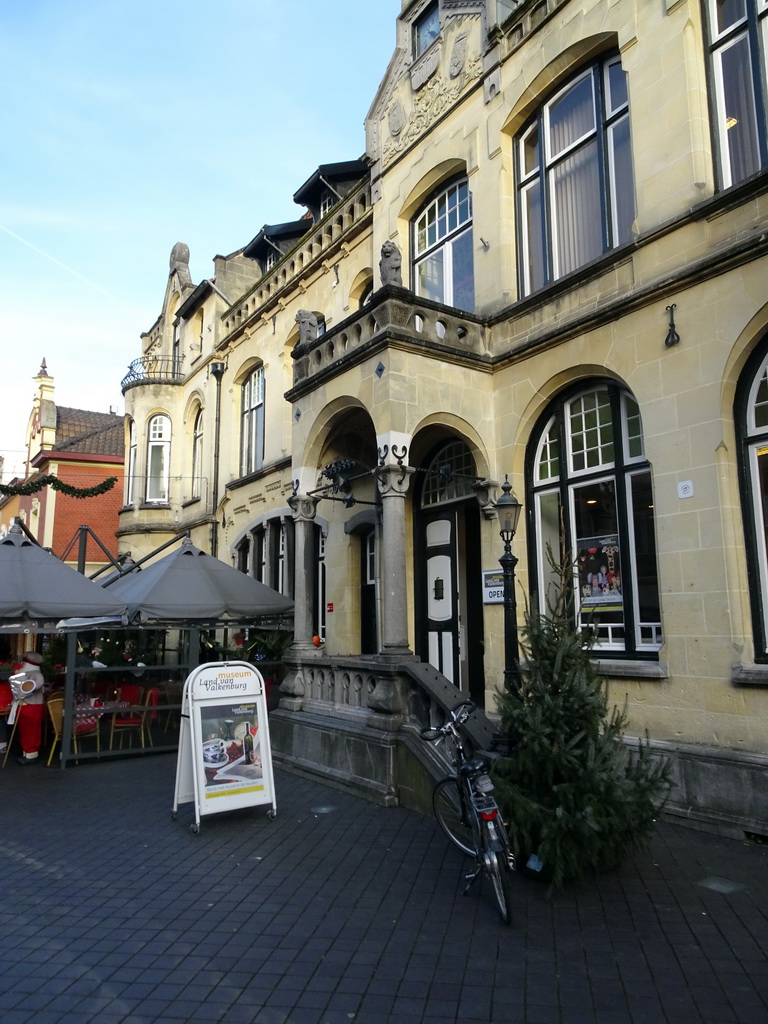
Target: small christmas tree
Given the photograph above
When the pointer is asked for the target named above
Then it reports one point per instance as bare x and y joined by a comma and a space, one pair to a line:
574, 794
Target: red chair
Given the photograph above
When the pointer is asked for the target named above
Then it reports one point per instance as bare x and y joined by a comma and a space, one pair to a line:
126, 721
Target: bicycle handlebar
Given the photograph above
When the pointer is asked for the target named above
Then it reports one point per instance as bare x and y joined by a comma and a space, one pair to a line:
458, 717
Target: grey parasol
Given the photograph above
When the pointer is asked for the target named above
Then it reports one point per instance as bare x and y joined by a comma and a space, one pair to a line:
190, 586
35, 586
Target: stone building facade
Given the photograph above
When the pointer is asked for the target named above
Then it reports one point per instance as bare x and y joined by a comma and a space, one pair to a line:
549, 265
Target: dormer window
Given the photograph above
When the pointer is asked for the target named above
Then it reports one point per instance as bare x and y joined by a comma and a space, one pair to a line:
426, 29
270, 261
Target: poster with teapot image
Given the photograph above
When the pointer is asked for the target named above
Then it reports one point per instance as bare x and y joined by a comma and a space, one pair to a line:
231, 745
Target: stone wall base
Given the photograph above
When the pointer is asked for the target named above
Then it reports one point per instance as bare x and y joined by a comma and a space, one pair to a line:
720, 791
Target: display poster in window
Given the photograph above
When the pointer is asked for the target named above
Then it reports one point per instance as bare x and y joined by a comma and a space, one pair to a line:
599, 568
224, 759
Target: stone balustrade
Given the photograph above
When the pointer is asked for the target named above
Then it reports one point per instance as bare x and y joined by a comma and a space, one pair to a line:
395, 313
357, 723
321, 245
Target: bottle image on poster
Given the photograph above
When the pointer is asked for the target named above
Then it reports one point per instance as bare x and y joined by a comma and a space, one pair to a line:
230, 745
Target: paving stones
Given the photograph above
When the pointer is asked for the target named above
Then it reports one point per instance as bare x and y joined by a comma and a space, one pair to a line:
340, 911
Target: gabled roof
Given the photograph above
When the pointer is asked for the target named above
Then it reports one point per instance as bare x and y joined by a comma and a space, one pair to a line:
91, 433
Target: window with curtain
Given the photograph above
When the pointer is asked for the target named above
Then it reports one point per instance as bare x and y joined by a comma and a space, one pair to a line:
158, 459
443, 260
591, 499
575, 183
252, 433
197, 455
751, 417
738, 38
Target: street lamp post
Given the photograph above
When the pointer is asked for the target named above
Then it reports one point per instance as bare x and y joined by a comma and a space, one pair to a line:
508, 509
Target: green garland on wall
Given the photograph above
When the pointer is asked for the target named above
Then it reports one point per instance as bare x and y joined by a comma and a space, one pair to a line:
50, 480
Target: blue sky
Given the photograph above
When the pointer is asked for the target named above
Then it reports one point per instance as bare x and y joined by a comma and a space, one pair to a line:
127, 127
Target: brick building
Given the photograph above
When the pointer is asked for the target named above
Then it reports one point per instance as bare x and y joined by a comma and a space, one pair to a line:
81, 449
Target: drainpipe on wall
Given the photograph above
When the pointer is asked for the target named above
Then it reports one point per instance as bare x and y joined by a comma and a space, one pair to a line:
217, 369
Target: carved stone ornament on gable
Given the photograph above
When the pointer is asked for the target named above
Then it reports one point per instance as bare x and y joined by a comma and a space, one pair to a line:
458, 55
396, 118
425, 66
429, 104
451, 7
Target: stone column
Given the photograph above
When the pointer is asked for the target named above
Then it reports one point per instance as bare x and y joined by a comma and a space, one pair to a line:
292, 687
304, 509
393, 480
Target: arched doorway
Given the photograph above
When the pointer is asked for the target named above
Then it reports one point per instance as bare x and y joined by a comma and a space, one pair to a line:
448, 599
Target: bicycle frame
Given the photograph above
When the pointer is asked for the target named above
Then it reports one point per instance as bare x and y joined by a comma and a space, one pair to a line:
467, 811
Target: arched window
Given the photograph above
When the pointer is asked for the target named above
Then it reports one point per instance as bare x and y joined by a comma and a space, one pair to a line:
590, 498
443, 267
252, 435
197, 455
738, 45
450, 475
158, 459
575, 185
272, 553
751, 415
131, 476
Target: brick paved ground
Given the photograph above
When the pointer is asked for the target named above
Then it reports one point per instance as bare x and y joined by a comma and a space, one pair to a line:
339, 911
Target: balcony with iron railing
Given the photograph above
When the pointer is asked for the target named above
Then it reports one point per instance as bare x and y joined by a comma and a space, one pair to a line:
153, 370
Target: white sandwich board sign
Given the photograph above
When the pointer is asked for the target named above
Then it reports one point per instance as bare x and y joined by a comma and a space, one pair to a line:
224, 759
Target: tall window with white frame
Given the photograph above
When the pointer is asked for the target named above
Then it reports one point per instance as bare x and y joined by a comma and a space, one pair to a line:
327, 202
130, 487
591, 499
158, 459
575, 183
197, 455
252, 433
751, 417
738, 47
443, 258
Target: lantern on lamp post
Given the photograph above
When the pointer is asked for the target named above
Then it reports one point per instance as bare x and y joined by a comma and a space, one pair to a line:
508, 509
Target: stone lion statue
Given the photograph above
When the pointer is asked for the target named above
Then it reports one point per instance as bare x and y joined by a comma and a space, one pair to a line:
390, 265
307, 322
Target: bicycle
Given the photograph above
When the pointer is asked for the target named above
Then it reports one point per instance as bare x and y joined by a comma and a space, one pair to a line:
467, 812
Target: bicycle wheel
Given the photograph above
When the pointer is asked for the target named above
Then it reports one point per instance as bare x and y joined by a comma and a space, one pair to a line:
447, 806
497, 870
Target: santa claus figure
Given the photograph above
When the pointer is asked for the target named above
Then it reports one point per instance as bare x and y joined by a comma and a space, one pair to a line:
28, 709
